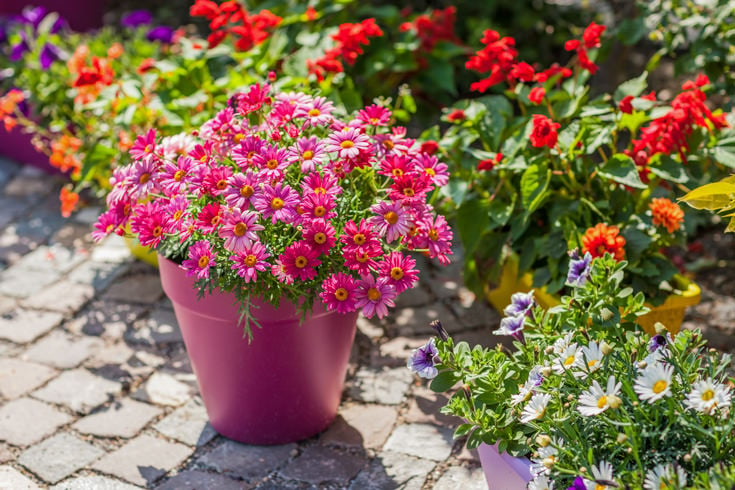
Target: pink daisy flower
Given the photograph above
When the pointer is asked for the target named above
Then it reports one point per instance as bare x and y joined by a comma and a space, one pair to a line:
279, 272
250, 261
144, 145
240, 229
391, 220
363, 258
277, 202
393, 143
348, 143
107, 223
215, 179
281, 114
201, 258
374, 115
439, 239
308, 151
220, 124
142, 177
174, 176
241, 189
357, 237
321, 184
318, 113
244, 153
409, 189
203, 153
318, 206
320, 235
432, 169
209, 217
396, 166
253, 99
399, 271
374, 297
272, 161
300, 261
149, 223
338, 293
178, 210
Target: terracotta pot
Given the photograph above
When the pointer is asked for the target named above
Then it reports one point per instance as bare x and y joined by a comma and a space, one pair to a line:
284, 386
503, 471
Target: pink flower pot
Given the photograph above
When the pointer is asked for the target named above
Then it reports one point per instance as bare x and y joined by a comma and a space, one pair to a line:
503, 471
81, 15
16, 145
284, 386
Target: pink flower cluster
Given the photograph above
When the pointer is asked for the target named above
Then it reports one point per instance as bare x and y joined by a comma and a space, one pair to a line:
282, 193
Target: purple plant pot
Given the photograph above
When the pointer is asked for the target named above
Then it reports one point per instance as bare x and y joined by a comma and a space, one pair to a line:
82, 15
503, 471
284, 386
16, 145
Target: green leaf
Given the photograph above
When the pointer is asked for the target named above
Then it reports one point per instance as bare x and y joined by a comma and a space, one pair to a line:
472, 220
534, 183
620, 168
725, 156
632, 30
668, 169
500, 212
634, 87
712, 196
443, 381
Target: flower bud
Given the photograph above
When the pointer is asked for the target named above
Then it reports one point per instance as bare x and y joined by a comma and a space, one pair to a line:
687, 457
605, 348
614, 401
549, 349
642, 365
440, 330
543, 440
629, 450
621, 438
583, 470
548, 462
545, 371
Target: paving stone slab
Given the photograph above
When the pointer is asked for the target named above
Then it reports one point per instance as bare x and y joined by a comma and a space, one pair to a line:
95, 482
7, 304
416, 296
25, 421
110, 355
112, 249
87, 216
18, 377
58, 457
13, 246
396, 351
124, 418
143, 460
380, 385
6, 454
64, 296
99, 275
365, 426
160, 328
460, 477
200, 480
21, 325
136, 288
323, 465
74, 236
12, 479
12, 208
416, 321
244, 461
56, 258
107, 319
164, 389
391, 471
421, 440
61, 350
424, 406
79, 390
188, 424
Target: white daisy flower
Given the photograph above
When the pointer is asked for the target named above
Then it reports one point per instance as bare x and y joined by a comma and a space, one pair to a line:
562, 343
654, 382
536, 408
706, 396
592, 358
176, 145
547, 457
596, 400
541, 482
568, 359
524, 393
663, 476
602, 476
656, 356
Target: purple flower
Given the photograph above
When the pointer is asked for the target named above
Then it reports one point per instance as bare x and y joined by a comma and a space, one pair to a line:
512, 325
579, 269
657, 342
441, 332
578, 484
520, 304
33, 16
534, 377
49, 54
422, 360
18, 50
136, 18
164, 34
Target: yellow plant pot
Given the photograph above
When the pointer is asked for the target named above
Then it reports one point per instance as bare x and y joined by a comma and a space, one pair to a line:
670, 313
140, 252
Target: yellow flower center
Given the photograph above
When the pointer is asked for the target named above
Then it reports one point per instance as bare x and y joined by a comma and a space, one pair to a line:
660, 386
347, 144
178, 214
359, 239
319, 211
238, 137
430, 171
320, 238
396, 273
433, 234
301, 261
602, 402
362, 258
240, 229
314, 112
222, 185
215, 220
373, 294
203, 261
397, 172
157, 231
148, 148
320, 190
391, 217
179, 175
144, 178
277, 203
569, 360
592, 363
388, 144
708, 395
271, 164
374, 120
250, 260
246, 191
203, 158
308, 155
600, 487
408, 192
341, 294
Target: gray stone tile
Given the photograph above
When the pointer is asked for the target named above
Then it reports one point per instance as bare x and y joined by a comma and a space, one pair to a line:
124, 418
365, 426
25, 421
13, 479
18, 377
164, 389
79, 390
29, 181
61, 350
87, 216
200, 480
112, 249
105, 319
188, 424
421, 440
74, 236
58, 457
390, 471
158, 329
95, 482
99, 275
64, 296
461, 477
415, 321
20, 282
56, 258
417, 296
380, 385
424, 408
21, 325
143, 460
245, 461
137, 288
323, 465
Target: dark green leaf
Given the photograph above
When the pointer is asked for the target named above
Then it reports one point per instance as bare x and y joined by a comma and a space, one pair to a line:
534, 183
620, 168
443, 381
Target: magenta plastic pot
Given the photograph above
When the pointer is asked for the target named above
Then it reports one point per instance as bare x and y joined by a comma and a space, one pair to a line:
81, 15
284, 386
16, 145
503, 471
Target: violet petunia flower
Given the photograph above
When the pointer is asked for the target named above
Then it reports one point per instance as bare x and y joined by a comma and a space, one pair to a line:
657, 342
578, 484
521, 304
579, 269
49, 54
513, 326
163, 34
422, 360
33, 16
18, 50
136, 18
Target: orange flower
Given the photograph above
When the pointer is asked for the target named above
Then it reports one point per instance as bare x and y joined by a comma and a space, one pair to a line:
63, 154
125, 142
8, 103
115, 51
666, 213
602, 238
68, 200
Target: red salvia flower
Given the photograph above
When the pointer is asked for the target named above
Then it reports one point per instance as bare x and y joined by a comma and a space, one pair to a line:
544, 131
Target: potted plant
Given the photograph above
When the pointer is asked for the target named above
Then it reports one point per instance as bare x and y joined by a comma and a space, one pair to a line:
590, 399
280, 223
546, 167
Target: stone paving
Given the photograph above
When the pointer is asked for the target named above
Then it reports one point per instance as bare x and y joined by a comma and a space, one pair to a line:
96, 391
